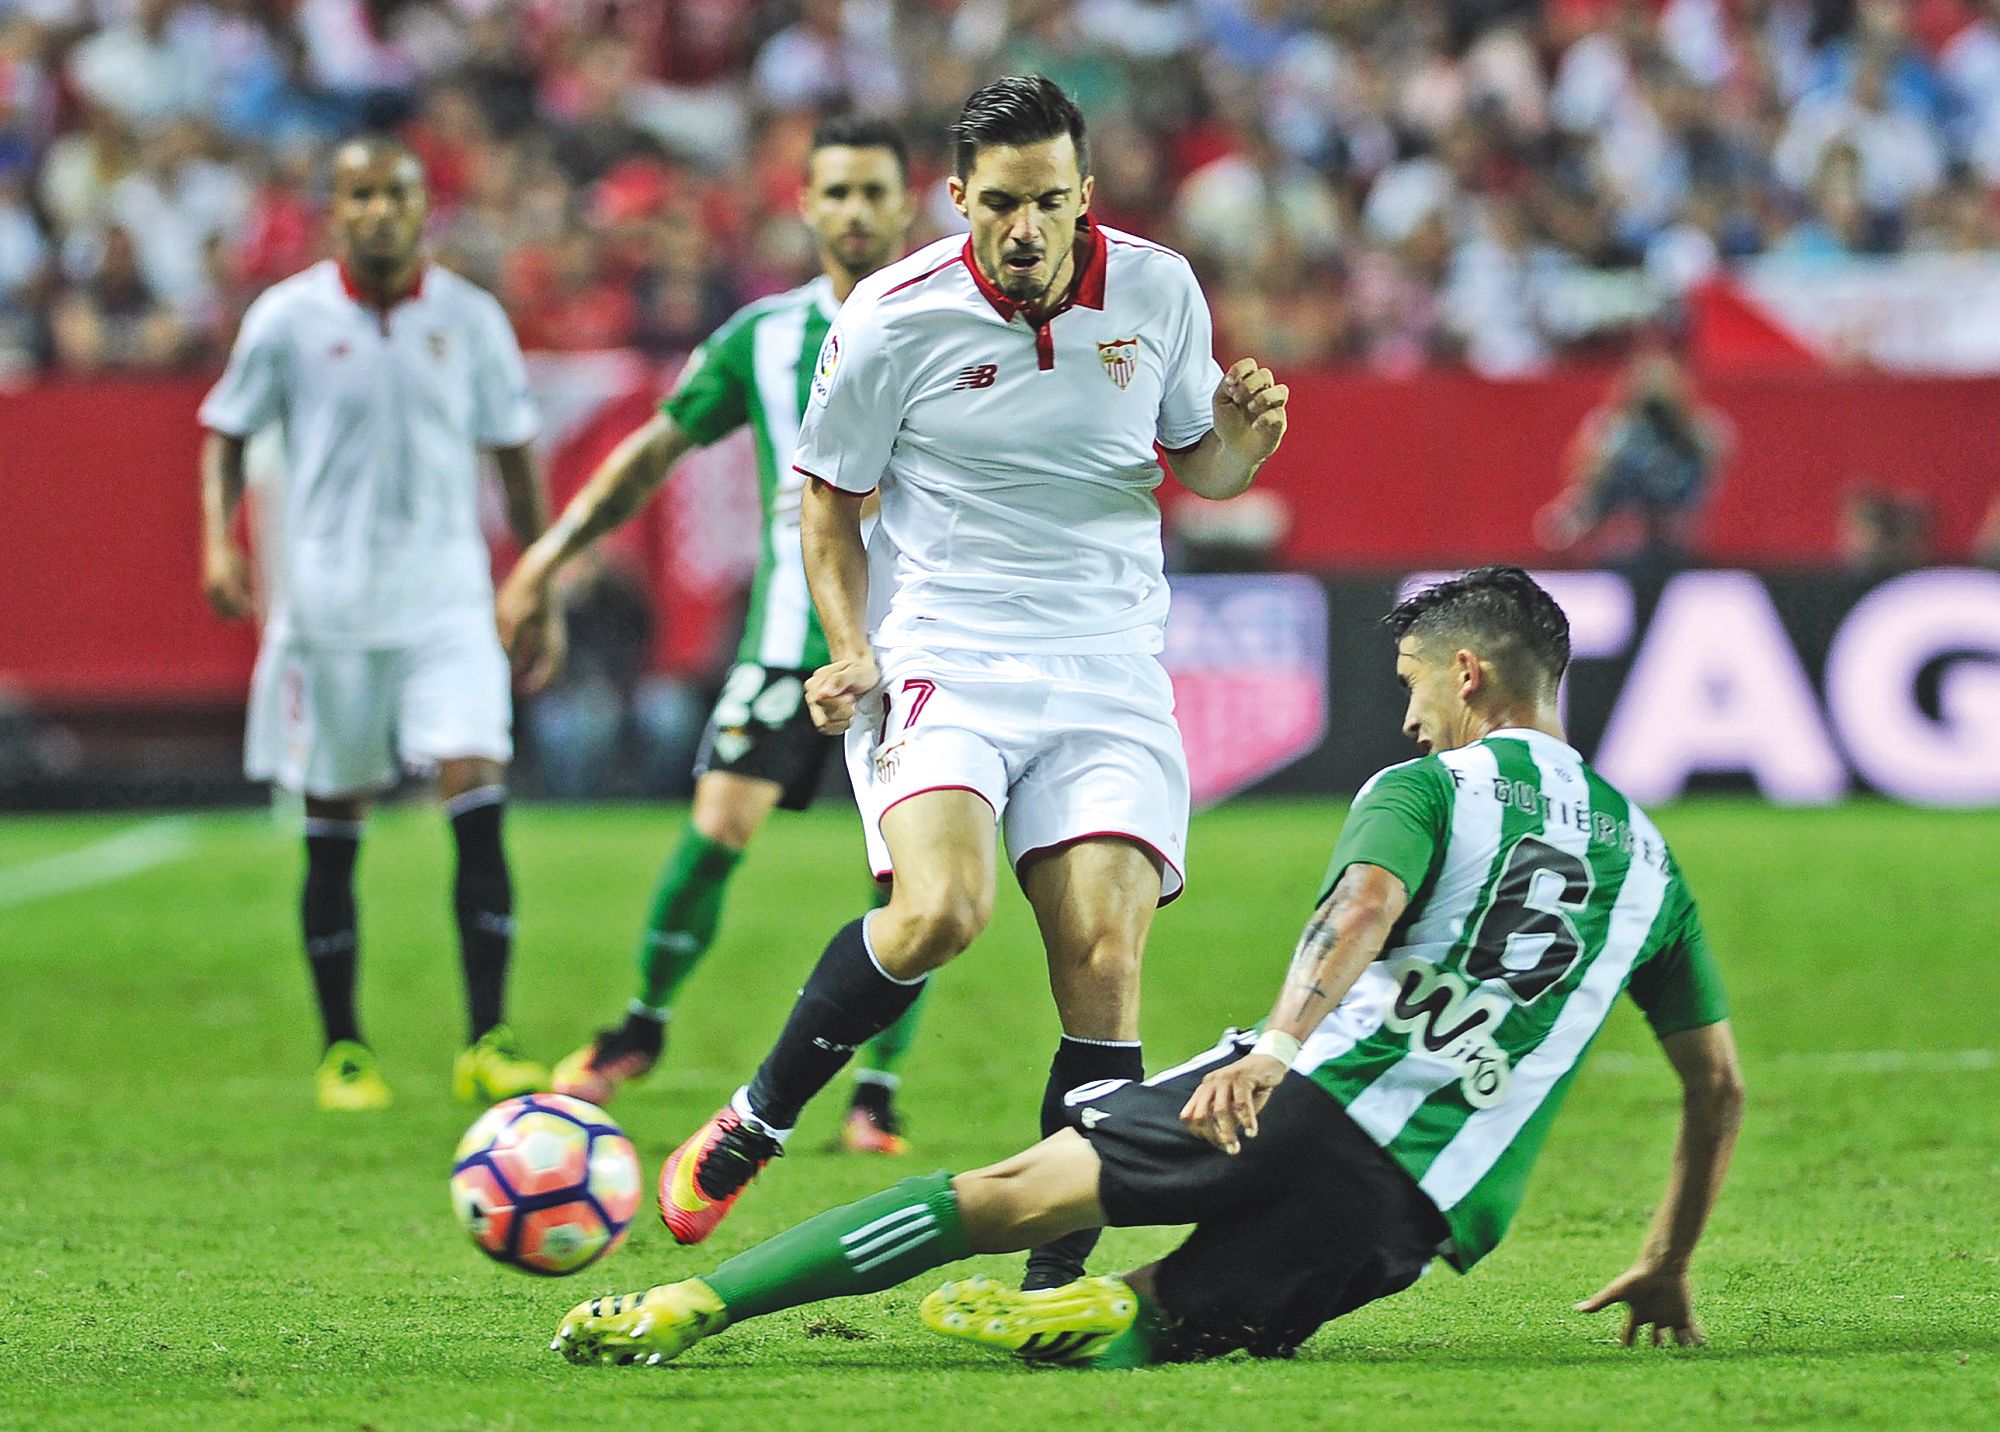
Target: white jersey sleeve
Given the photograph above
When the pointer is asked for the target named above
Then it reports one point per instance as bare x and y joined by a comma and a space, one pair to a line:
1187, 408
504, 413
855, 412
251, 391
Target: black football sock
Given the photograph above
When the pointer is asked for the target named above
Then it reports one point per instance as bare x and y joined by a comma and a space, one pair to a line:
326, 913
848, 1000
876, 1093
1078, 1062
483, 898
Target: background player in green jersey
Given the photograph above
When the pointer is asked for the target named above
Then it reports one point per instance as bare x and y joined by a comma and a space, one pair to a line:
1484, 906
760, 749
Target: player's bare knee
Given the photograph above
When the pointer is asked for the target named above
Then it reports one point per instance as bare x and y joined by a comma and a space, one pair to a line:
1106, 964
943, 922
730, 809
725, 825
460, 774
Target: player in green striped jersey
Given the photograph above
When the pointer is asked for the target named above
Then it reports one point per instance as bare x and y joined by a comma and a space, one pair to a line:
1485, 905
760, 750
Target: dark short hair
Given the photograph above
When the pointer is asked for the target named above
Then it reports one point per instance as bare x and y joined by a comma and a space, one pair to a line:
1500, 612
863, 131
376, 144
1017, 110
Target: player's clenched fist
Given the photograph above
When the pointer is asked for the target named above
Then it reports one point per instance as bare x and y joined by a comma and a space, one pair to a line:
1250, 410
833, 692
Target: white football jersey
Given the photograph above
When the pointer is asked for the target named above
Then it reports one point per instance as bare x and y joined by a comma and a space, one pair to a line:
384, 412
1017, 462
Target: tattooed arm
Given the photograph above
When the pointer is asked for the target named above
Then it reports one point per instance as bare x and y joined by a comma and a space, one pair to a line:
619, 487
1346, 933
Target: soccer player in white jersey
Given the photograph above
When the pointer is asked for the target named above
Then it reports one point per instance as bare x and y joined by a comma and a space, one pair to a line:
388, 376
992, 645
1484, 907
761, 749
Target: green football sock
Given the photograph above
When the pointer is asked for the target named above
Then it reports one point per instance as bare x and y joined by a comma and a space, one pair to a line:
885, 1239
687, 906
1149, 1340
881, 1055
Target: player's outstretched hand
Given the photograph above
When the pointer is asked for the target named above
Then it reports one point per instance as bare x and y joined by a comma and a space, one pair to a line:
225, 581
1658, 1298
1250, 410
835, 690
1223, 1108
540, 648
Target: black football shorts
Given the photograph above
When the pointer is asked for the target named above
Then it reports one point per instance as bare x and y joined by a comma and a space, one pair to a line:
1310, 1221
760, 727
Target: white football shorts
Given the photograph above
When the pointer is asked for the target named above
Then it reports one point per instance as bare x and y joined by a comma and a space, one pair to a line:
1062, 747
333, 721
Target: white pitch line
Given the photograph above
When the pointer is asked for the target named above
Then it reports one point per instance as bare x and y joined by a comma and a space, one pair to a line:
1830, 1061
132, 850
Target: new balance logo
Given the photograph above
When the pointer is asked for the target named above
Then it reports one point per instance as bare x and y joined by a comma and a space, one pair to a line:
980, 375
1093, 1117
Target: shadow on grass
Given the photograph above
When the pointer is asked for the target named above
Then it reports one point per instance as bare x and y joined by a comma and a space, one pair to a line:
772, 1367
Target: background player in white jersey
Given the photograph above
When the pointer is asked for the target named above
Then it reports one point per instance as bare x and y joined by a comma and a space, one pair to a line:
1484, 907
993, 642
761, 749
388, 376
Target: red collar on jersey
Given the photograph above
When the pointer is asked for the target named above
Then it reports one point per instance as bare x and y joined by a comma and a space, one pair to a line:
1086, 292
367, 300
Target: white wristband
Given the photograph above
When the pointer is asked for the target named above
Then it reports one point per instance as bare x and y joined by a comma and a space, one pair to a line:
1278, 1044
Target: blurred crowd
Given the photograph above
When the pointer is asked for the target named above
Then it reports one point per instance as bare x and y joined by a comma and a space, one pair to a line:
1394, 183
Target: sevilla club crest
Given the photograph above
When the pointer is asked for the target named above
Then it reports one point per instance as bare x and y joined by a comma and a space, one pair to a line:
1120, 358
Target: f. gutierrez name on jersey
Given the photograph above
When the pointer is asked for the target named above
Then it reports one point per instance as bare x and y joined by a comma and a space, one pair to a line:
1538, 893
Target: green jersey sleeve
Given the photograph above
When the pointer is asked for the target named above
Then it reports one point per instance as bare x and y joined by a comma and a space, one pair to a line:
1679, 987
1399, 821
712, 398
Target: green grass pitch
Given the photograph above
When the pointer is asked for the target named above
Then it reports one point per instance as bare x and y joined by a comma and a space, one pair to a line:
185, 1242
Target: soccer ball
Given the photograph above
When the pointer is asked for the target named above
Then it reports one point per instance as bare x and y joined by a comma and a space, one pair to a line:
545, 1183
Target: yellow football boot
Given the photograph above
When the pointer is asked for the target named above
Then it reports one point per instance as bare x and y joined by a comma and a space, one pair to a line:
650, 1327
492, 1069
349, 1081
1070, 1326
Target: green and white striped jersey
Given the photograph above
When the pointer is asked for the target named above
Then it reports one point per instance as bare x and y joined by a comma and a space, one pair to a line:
1537, 893
757, 369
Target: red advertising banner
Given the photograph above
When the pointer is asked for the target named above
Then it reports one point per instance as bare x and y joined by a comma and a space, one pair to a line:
1445, 469
99, 522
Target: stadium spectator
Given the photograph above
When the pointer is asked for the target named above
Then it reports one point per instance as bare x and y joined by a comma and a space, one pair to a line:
24, 257
152, 68
838, 53
1986, 546
1410, 165
109, 316
1648, 459
579, 721
81, 168
1900, 156
178, 208
1883, 532
1838, 225
27, 98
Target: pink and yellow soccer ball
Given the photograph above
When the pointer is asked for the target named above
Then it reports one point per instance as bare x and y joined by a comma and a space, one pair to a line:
545, 1183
